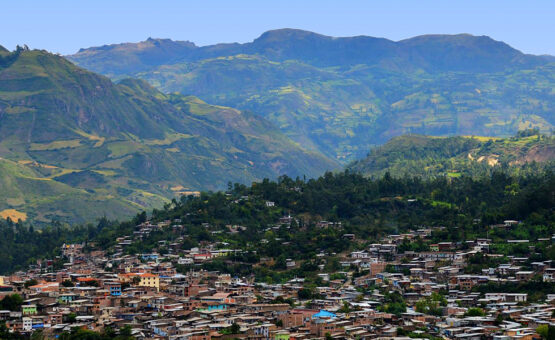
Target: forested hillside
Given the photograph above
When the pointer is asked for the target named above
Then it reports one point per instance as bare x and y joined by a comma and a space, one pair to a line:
427, 156
367, 208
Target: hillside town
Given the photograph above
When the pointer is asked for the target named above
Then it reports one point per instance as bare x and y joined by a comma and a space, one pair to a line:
277, 170
382, 291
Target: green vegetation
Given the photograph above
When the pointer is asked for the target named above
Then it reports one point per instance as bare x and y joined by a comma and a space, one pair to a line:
432, 305
415, 155
78, 140
394, 304
546, 331
38, 243
233, 329
367, 208
11, 302
74, 146
475, 311
341, 96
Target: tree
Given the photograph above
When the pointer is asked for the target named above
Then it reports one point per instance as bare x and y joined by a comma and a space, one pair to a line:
37, 335
125, 331
543, 331
71, 317
11, 302
431, 304
305, 293
235, 328
499, 319
401, 332
345, 308
394, 303
475, 311
546, 332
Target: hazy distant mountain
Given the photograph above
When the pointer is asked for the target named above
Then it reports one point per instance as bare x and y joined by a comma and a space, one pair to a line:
130, 58
74, 145
462, 52
341, 96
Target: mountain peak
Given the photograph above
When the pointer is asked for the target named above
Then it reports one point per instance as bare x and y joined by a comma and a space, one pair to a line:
464, 52
142, 55
282, 34
461, 39
168, 41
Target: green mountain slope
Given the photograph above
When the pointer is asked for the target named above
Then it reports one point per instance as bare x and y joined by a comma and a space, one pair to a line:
26, 193
427, 156
100, 141
341, 96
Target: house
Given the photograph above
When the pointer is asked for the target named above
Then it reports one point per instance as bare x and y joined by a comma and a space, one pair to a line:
149, 280
27, 324
263, 330
445, 246
438, 256
54, 319
201, 257
29, 309
376, 268
360, 255
67, 297
185, 261
549, 275
45, 287
466, 282
113, 287
524, 275
507, 297
219, 298
149, 257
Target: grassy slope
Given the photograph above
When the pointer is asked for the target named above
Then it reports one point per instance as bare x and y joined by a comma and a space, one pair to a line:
44, 199
126, 142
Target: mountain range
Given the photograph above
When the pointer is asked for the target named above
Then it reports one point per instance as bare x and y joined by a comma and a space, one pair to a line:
120, 128
342, 96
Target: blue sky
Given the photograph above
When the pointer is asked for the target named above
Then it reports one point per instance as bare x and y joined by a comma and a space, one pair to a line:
64, 26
